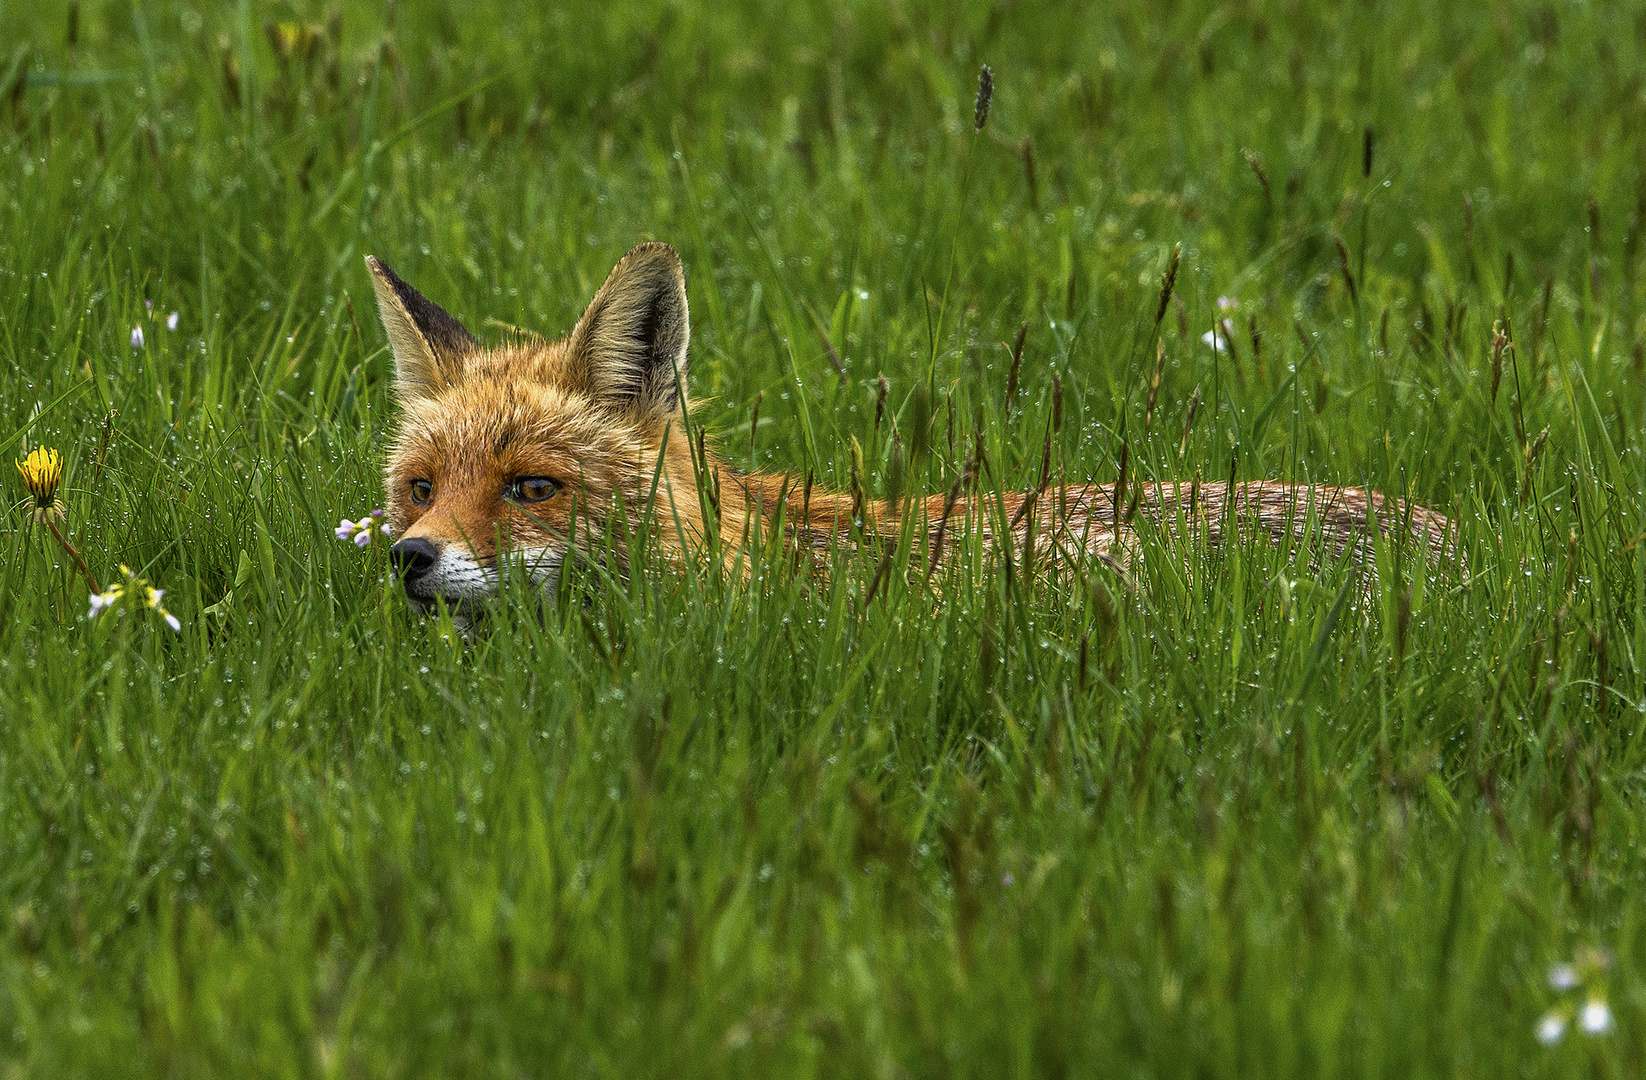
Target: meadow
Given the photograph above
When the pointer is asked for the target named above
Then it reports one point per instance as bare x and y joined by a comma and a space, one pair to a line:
1237, 813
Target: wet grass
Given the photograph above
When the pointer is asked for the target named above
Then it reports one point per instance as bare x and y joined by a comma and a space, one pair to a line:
1246, 818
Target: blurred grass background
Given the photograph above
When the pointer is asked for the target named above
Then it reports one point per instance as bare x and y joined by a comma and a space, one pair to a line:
1246, 820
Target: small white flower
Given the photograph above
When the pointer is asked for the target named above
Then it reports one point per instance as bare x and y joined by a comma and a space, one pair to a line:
1214, 339
1551, 1027
385, 530
1562, 976
1596, 1018
171, 321
1225, 304
105, 601
137, 337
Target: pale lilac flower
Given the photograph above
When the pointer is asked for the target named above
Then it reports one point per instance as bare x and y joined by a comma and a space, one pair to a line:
172, 621
1596, 1017
362, 531
171, 321
1224, 303
1562, 976
148, 306
137, 337
1551, 1027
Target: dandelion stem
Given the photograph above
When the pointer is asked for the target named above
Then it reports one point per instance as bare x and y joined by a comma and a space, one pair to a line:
85, 571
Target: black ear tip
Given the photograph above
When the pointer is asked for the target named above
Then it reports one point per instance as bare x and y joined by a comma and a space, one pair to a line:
383, 270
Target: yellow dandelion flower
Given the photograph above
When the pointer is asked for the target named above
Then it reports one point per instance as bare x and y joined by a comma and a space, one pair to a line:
42, 471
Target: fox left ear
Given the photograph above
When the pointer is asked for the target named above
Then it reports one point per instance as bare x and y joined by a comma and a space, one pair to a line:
629, 348
428, 343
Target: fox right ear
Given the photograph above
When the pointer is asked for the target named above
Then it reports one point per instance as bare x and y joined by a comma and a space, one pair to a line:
628, 350
428, 343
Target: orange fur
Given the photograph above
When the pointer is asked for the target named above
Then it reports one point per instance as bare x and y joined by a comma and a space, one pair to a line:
602, 413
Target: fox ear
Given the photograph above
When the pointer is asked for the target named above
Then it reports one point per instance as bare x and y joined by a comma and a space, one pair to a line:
629, 348
428, 343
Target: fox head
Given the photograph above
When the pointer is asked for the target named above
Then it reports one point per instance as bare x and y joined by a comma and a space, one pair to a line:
516, 451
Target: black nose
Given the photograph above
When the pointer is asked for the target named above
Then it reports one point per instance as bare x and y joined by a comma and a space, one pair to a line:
413, 557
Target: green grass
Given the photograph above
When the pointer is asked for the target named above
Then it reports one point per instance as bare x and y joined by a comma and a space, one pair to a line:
1245, 820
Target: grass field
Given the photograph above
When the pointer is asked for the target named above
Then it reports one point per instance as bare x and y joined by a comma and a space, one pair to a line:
1246, 818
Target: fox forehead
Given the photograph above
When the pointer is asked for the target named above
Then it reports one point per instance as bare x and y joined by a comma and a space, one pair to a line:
506, 418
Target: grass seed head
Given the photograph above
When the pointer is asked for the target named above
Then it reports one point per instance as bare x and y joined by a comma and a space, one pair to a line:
1500, 345
985, 96
1154, 384
1168, 282
1262, 174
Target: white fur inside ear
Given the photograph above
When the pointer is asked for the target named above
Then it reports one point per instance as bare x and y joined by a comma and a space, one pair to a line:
416, 375
630, 349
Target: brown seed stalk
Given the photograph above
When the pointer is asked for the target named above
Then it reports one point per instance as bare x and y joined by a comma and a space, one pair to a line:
1262, 175
1348, 273
1154, 384
1188, 424
1017, 364
1120, 487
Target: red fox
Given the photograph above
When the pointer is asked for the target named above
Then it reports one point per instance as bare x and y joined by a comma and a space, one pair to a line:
497, 448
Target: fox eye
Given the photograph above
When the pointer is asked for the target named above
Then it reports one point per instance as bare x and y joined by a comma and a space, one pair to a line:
421, 491
532, 489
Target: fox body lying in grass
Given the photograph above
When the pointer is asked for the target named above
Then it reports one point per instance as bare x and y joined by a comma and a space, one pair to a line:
498, 449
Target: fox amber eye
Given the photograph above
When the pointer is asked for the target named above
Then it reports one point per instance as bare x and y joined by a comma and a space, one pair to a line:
531, 489
421, 491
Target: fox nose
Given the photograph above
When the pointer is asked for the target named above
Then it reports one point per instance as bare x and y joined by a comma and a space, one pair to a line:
413, 557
